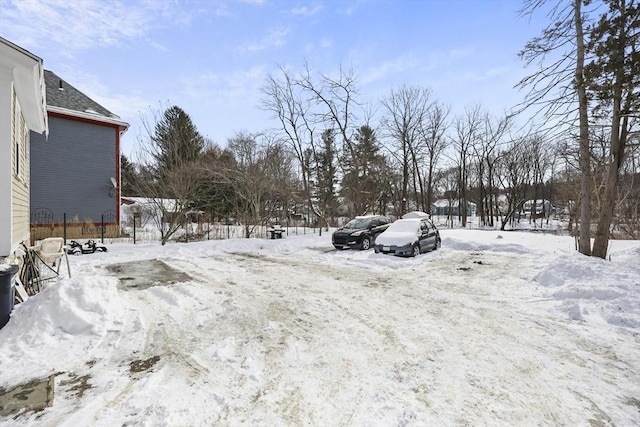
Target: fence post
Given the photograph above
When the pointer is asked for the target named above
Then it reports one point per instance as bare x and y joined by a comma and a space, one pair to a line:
102, 230
134, 229
64, 227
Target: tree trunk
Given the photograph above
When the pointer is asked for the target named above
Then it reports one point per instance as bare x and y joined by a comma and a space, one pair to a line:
584, 245
618, 142
601, 241
618, 138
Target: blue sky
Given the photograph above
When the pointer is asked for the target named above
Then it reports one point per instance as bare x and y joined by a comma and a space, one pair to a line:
212, 57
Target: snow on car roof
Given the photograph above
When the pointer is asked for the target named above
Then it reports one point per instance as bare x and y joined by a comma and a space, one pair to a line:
415, 214
405, 224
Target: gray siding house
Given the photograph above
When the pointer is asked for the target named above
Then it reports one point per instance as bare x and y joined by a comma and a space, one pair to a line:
75, 172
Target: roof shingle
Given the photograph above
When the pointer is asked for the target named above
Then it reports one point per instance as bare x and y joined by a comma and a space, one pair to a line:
62, 94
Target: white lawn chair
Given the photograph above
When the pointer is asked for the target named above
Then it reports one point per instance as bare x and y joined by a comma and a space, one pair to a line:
51, 251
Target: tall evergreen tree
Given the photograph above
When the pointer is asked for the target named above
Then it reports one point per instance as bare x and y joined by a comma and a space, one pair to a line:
176, 140
170, 178
128, 177
366, 175
326, 174
613, 76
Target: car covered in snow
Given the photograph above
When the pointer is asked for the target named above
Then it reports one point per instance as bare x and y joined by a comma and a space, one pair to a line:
359, 233
412, 235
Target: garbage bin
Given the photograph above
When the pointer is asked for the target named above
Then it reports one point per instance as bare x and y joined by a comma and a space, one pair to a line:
7, 291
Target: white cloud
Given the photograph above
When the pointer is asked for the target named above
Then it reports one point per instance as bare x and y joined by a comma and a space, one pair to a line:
350, 8
275, 38
326, 43
306, 11
78, 25
75, 25
157, 46
232, 88
312, 48
223, 102
394, 66
118, 103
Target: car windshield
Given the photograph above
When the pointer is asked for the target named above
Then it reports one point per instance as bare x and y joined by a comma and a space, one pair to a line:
404, 225
358, 223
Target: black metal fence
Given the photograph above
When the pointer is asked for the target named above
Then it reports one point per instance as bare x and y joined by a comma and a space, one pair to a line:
45, 224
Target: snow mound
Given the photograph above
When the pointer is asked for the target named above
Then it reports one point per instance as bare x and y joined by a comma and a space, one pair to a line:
592, 289
52, 322
499, 246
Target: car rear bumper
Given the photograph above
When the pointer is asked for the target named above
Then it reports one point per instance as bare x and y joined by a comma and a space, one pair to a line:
405, 250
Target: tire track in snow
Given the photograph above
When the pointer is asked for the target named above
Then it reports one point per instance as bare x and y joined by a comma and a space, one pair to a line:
290, 340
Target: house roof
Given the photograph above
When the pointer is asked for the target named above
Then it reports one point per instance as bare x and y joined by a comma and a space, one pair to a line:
27, 73
443, 203
63, 98
415, 214
152, 203
64, 95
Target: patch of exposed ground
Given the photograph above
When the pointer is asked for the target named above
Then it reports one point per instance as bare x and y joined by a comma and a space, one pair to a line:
138, 275
143, 365
32, 396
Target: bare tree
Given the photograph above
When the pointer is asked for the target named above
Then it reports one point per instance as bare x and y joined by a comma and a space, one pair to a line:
260, 171
447, 184
466, 129
541, 159
485, 147
553, 89
337, 98
306, 106
406, 114
515, 175
432, 134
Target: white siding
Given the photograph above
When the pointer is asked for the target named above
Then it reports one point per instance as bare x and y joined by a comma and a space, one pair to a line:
19, 175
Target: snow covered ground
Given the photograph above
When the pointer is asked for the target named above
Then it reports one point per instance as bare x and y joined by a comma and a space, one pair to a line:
493, 329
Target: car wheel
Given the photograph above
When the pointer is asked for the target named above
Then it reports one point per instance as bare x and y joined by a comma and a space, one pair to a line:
416, 250
438, 243
366, 244
338, 247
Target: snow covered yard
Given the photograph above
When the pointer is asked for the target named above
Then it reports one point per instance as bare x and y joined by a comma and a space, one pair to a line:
496, 329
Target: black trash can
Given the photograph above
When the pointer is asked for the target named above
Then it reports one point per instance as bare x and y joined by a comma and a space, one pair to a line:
7, 291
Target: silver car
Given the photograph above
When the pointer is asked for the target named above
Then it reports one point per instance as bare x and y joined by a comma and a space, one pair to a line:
409, 236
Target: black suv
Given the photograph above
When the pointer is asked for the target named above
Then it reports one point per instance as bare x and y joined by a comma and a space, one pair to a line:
360, 232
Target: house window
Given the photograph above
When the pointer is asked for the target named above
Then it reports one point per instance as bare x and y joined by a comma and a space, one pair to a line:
20, 135
21, 144
17, 157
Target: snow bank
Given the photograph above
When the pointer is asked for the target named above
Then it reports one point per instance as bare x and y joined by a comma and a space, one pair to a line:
65, 320
592, 289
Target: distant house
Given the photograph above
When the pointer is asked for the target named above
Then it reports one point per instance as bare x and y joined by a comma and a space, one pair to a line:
442, 207
75, 172
22, 109
146, 210
542, 207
